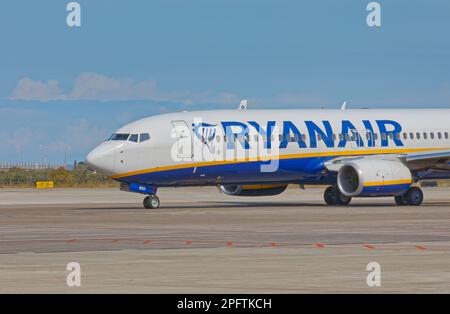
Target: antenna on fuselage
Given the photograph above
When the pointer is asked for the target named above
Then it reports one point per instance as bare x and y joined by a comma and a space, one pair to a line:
243, 104
344, 106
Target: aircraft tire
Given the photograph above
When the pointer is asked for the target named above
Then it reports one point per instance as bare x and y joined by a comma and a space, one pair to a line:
333, 196
343, 199
330, 196
414, 196
151, 202
401, 200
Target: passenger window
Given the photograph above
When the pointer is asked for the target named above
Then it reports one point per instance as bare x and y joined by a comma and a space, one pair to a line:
446, 135
405, 136
411, 135
133, 138
425, 135
418, 135
144, 137
432, 135
383, 136
376, 136
439, 135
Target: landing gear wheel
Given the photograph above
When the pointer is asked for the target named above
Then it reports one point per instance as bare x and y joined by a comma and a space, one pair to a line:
343, 199
401, 200
151, 202
330, 196
333, 196
414, 196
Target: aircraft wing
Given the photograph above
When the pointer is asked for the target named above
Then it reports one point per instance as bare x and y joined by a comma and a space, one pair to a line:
437, 160
443, 155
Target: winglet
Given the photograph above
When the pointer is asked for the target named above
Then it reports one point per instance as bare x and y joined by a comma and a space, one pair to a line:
243, 104
344, 106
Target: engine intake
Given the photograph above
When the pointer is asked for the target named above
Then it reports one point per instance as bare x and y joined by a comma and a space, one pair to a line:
373, 177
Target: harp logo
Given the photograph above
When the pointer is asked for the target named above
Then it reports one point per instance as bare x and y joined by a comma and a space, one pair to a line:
206, 133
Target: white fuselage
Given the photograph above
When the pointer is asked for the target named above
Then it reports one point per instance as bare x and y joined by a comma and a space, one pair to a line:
231, 146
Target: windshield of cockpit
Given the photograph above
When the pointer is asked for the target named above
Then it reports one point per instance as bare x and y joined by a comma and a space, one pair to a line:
119, 137
135, 138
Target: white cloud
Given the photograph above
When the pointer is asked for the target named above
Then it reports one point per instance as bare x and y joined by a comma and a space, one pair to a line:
94, 86
28, 89
98, 87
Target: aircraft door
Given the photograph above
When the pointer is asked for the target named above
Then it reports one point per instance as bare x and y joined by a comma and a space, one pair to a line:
121, 159
184, 139
125, 155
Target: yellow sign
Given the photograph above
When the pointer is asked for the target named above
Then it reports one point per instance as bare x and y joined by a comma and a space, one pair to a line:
44, 184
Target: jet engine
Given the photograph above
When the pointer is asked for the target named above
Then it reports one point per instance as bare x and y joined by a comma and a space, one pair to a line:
252, 190
373, 177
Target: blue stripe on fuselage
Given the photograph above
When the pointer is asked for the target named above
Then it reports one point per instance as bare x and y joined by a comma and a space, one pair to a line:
288, 170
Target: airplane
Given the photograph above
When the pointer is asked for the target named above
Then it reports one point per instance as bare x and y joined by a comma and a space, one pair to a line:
355, 152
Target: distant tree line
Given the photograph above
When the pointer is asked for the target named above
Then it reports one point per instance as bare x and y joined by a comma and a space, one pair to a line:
80, 176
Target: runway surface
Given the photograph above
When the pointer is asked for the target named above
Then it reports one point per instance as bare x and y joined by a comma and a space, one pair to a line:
204, 241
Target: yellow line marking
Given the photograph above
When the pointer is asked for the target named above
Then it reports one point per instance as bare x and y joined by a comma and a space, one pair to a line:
393, 182
291, 156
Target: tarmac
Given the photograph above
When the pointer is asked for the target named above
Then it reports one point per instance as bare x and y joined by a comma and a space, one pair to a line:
201, 241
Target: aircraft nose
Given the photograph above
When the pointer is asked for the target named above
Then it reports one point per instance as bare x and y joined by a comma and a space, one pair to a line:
101, 160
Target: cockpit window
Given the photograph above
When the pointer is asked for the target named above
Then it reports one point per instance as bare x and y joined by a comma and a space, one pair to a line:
144, 137
133, 138
119, 137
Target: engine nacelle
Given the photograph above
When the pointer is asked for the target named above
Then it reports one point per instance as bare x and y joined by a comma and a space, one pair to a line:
373, 177
252, 190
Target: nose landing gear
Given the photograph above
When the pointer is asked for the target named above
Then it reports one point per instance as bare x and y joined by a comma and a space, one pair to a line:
151, 202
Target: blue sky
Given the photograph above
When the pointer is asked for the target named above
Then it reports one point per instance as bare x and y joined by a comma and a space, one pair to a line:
66, 89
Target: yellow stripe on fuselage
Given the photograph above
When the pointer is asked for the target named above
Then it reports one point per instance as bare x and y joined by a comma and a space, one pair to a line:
392, 182
291, 156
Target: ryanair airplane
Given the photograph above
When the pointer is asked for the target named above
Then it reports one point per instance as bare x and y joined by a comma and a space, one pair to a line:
357, 152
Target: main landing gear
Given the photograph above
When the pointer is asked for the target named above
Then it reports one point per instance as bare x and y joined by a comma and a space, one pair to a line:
333, 196
413, 197
151, 202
